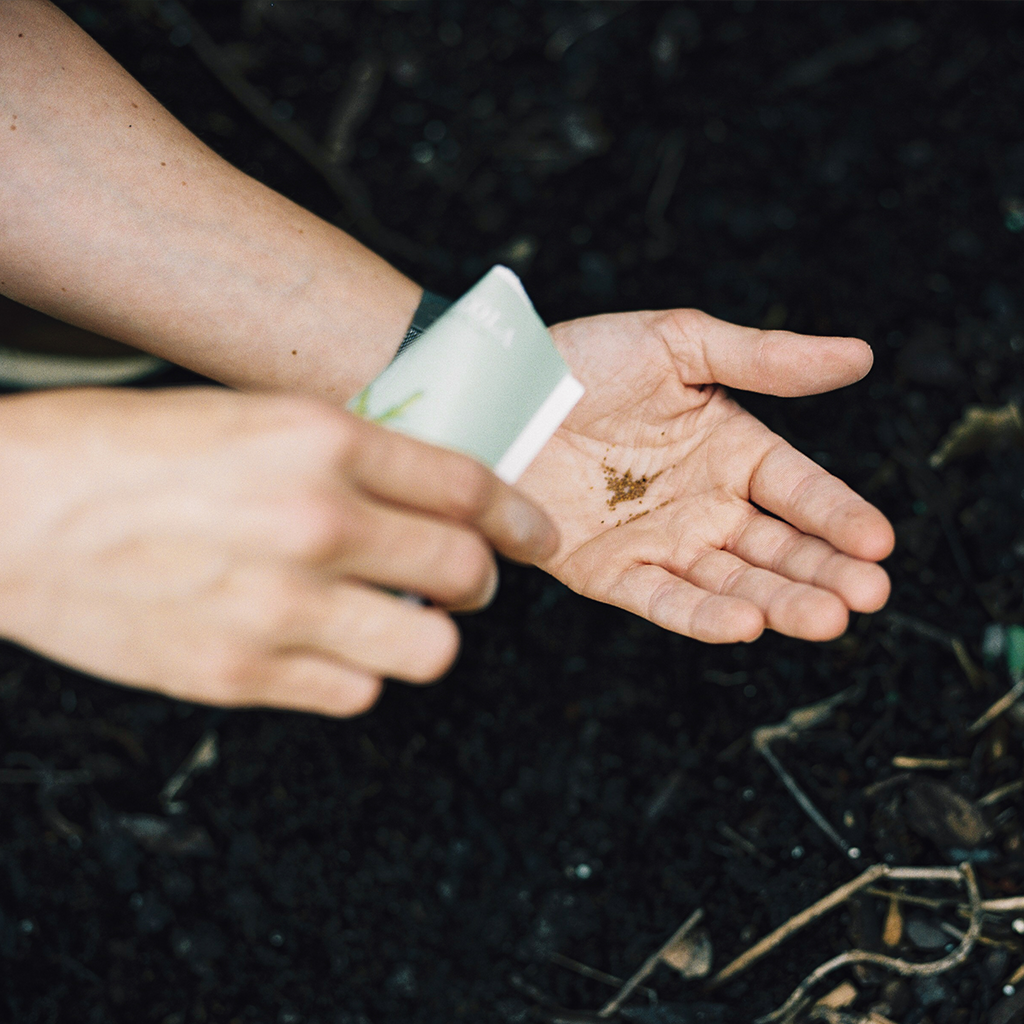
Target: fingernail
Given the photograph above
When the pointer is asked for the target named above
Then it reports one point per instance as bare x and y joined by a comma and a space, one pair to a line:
533, 530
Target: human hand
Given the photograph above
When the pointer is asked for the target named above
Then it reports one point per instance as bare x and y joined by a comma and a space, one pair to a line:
237, 549
683, 540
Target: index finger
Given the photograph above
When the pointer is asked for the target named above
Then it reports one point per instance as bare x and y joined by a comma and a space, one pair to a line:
399, 469
795, 488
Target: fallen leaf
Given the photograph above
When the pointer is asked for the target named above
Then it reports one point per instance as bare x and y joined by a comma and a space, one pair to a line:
980, 428
691, 956
893, 930
940, 814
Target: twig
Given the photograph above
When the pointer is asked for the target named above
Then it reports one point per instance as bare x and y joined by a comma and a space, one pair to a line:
612, 1006
595, 975
795, 923
958, 934
884, 785
975, 676
202, 756
797, 721
900, 620
661, 799
352, 108
1006, 701
905, 897
804, 801
1000, 793
1009, 905
964, 872
929, 763
50, 783
342, 182
745, 844
546, 1009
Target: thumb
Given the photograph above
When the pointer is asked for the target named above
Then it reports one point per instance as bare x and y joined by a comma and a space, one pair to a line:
712, 351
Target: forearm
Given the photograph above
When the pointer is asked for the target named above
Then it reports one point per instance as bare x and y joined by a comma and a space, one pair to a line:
114, 217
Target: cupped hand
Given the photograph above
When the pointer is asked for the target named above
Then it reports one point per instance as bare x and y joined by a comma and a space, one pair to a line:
243, 549
674, 503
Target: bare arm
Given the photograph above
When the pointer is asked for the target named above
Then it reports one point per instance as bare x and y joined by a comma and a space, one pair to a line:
115, 217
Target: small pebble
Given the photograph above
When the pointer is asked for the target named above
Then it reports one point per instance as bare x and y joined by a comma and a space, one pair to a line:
1009, 990
797, 852
925, 935
583, 871
1018, 925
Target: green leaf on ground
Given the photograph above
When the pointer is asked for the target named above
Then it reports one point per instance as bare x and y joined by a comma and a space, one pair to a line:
1015, 651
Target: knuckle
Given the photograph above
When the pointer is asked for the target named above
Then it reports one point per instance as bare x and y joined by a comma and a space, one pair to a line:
331, 430
685, 322
236, 677
316, 526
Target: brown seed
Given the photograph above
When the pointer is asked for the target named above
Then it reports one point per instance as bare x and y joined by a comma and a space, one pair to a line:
625, 487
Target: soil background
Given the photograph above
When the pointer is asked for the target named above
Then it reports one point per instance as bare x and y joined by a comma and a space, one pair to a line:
829, 168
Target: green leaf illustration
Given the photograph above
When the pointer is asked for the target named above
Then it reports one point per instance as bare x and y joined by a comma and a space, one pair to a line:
362, 403
361, 406
398, 410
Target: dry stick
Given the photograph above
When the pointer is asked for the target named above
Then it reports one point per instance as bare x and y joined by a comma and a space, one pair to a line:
342, 182
1001, 705
1010, 905
202, 756
803, 800
744, 844
795, 923
929, 763
1000, 792
923, 629
352, 108
983, 940
797, 721
975, 676
594, 974
912, 899
797, 1000
612, 1006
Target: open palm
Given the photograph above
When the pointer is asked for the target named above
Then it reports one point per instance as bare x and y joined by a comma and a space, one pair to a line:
676, 504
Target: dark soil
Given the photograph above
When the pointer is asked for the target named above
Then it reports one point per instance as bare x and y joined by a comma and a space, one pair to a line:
830, 168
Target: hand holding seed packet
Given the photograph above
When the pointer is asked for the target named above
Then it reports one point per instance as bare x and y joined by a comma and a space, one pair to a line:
483, 379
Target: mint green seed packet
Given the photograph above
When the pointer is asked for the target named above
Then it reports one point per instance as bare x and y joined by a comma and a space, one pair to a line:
484, 379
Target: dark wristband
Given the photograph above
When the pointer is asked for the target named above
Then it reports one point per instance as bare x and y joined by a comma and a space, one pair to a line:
430, 308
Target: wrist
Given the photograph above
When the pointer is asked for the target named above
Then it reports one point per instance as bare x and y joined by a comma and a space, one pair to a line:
430, 307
